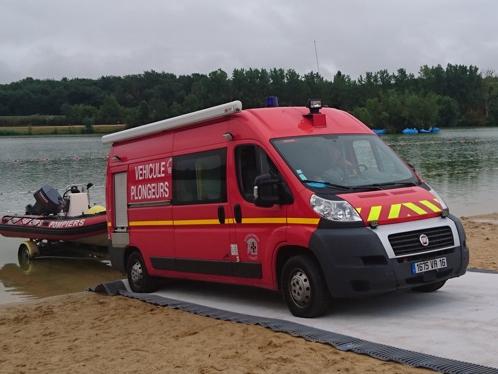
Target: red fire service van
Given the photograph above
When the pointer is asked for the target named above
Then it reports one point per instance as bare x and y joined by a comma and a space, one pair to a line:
305, 200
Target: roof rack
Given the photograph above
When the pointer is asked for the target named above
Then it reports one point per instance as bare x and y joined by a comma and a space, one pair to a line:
175, 122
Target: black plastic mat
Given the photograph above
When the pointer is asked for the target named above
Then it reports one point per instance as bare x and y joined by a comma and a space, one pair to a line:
339, 341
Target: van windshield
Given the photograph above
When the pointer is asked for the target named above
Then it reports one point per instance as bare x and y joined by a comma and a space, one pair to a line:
345, 162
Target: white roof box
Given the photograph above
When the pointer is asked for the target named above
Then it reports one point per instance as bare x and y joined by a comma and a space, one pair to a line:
175, 122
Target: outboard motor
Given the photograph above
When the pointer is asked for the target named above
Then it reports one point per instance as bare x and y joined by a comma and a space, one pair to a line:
48, 201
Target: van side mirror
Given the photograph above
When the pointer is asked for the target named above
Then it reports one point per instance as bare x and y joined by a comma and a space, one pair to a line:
270, 190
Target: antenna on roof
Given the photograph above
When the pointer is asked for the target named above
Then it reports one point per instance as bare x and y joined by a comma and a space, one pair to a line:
316, 57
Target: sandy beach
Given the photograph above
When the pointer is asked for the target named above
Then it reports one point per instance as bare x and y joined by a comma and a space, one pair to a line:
85, 332
482, 239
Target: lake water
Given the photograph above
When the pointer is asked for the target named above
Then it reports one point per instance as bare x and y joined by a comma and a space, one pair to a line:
461, 164
46, 276
27, 163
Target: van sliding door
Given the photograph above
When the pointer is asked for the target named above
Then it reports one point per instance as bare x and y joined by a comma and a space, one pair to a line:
200, 212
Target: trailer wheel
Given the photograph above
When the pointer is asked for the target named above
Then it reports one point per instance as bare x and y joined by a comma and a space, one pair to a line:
303, 287
429, 287
138, 277
25, 254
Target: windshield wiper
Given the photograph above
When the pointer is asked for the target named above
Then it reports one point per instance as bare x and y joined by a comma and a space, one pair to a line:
328, 184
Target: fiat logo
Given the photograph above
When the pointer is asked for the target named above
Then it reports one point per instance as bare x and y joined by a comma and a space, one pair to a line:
424, 240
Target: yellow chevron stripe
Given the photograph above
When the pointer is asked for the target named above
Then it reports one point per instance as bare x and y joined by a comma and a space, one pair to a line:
394, 211
430, 205
415, 208
358, 210
303, 221
374, 213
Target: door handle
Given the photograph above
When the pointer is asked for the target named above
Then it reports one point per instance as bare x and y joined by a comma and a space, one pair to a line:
221, 214
237, 212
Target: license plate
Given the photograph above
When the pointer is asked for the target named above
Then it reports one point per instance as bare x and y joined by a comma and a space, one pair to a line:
423, 266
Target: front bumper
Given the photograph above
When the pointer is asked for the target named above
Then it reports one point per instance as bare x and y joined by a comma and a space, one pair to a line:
355, 262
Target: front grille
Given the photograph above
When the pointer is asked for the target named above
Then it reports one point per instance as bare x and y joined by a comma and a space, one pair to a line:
407, 243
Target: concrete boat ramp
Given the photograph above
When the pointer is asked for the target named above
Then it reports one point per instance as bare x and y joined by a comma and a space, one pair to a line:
453, 330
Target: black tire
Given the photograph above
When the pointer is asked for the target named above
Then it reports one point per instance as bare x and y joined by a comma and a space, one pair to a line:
303, 287
429, 287
24, 257
138, 277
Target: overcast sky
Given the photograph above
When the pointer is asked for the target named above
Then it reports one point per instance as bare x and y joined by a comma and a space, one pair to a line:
91, 38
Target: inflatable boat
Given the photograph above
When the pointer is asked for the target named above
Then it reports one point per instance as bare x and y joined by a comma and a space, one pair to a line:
56, 219
86, 228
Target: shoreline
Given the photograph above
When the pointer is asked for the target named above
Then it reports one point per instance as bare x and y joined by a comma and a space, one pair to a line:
43, 130
84, 332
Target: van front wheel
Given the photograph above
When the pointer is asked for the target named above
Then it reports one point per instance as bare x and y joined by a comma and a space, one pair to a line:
138, 277
303, 287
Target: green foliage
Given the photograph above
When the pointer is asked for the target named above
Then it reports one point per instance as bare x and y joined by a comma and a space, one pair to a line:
80, 113
33, 120
448, 111
110, 111
437, 96
395, 111
88, 123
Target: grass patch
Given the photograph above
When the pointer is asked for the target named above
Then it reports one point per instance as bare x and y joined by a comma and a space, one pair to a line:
58, 130
107, 129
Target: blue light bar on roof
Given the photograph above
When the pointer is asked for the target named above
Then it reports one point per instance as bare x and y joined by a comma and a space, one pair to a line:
272, 101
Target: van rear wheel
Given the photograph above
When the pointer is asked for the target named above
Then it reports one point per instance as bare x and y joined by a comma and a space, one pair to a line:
303, 287
138, 277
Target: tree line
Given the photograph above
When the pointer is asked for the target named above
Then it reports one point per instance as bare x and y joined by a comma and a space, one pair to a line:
457, 95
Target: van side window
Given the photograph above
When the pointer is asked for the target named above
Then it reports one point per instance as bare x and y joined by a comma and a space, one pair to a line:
200, 178
251, 162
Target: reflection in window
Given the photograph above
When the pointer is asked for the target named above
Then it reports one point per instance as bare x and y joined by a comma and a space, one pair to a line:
200, 178
252, 161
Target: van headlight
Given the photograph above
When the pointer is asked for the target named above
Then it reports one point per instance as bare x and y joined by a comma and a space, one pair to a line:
445, 210
340, 211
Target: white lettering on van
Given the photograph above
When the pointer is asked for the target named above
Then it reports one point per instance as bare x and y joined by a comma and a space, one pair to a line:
152, 170
150, 191
150, 181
